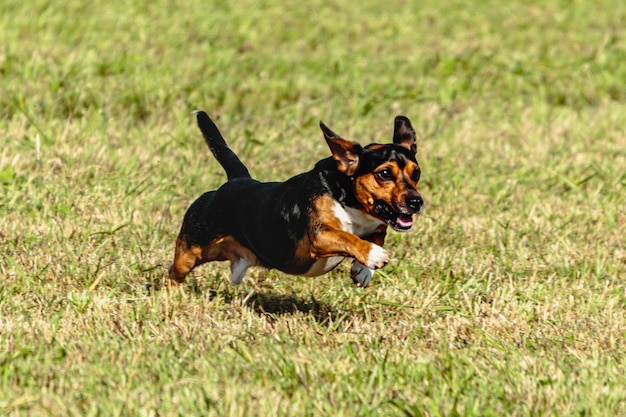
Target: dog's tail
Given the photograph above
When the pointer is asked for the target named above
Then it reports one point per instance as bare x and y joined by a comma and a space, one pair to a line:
225, 156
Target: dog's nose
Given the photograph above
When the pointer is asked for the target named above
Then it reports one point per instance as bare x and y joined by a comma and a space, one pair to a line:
415, 202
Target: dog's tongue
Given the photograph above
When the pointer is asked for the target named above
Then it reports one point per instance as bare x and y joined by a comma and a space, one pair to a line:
404, 221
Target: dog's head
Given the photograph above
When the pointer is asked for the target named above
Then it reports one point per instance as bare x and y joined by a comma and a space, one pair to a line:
384, 177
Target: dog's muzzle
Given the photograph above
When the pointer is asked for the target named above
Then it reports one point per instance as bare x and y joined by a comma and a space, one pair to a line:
400, 218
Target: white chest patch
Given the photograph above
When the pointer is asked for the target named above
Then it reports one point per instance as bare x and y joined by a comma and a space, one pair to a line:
355, 221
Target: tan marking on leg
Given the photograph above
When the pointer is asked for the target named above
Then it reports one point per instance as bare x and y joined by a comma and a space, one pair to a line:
224, 248
339, 243
327, 239
185, 259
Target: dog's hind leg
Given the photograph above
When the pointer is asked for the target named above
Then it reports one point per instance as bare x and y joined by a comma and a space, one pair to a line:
241, 258
226, 248
188, 256
238, 270
185, 259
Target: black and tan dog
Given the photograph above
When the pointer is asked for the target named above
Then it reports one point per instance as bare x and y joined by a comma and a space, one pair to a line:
308, 224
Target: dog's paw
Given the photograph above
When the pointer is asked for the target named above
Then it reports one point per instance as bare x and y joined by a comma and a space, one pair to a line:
360, 274
377, 258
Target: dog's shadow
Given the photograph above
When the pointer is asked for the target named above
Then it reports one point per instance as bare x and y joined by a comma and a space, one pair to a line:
275, 304
271, 304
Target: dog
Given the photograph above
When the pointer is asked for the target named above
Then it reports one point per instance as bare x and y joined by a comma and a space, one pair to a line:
308, 224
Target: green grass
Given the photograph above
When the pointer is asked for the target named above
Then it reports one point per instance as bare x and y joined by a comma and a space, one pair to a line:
508, 298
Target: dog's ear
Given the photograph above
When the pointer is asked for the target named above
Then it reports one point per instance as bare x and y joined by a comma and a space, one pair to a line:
345, 152
404, 134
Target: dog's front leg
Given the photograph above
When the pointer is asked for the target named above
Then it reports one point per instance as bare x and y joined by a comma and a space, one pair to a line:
332, 242
362, 275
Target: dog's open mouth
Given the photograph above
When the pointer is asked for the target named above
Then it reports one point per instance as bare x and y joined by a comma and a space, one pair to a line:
403, 222
399, 220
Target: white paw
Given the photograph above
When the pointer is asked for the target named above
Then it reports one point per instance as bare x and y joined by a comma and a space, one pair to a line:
361, 275
377, 258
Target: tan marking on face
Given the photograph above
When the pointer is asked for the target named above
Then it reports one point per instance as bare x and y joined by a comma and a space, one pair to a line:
372, 187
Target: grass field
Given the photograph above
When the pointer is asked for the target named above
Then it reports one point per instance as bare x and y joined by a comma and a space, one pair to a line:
507, 298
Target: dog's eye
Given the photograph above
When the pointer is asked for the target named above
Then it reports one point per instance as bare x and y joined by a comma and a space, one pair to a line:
415, 176
385, 174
